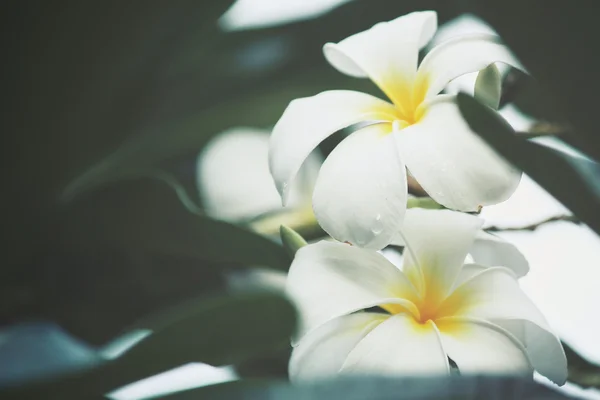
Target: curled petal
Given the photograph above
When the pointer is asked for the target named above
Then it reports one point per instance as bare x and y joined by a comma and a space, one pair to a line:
360, 194
308, 121
494, 295
493, 251
454, 166
321, 353
459, 56
327, 280
234, 180
437, 243
399, 345
387, 53
477, 346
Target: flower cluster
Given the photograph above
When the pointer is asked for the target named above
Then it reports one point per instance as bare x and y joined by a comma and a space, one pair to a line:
449, 302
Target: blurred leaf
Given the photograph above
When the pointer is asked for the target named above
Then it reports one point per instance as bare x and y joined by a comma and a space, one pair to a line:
401, 388
40, 350
88, 75
581, 371
216, 331
219, 331
292, 241
574, 181
553, 39
243, 79
123, 252
147, 215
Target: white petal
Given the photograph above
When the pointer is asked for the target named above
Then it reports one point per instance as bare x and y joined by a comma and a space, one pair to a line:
543, 347
460, 56
493, 251
454, 166
360, 194
327, 280
495, 295
308, 121
321, 353
398, 346
438, 240
477, 347
467, 272
387, 53
234, 180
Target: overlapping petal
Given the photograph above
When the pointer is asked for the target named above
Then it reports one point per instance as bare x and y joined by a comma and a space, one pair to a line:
360, 194
494, 295
493, 251
234, 181
454, 166
399, 345
327, 280
308, 121
387, 53
437, 243
478, 346
321, 353
459, 56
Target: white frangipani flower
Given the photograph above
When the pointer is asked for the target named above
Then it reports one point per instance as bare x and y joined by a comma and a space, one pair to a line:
235, 185
361, 191
436, 308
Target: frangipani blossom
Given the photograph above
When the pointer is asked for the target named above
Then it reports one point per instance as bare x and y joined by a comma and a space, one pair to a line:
235, 185
361, 191
434, 308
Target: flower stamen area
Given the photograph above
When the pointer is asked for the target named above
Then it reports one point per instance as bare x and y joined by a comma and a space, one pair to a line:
430, 306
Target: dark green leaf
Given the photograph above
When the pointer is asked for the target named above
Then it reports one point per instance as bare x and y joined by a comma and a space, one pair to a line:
217, 331
572, 180
555, 41
377, 388
147, 215
581, 371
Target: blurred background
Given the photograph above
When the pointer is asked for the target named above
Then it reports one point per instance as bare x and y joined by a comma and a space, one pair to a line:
135, 174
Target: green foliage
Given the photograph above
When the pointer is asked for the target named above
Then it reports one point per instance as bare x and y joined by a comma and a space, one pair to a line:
573, 180
378, 388
147, 215
553, 39
218, 331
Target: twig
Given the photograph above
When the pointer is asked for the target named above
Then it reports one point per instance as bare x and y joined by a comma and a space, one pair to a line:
533, 227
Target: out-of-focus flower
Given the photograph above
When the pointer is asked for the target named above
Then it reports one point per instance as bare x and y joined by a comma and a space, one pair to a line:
360, 194
435, 309
235, 184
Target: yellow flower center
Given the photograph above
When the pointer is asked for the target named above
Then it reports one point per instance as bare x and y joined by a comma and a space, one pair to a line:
408, 97
431, 304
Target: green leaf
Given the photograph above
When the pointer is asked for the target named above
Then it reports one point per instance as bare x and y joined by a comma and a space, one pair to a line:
488, 86
554, 45
147, 215
379, 388
217, 331
574, 181
292, 241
